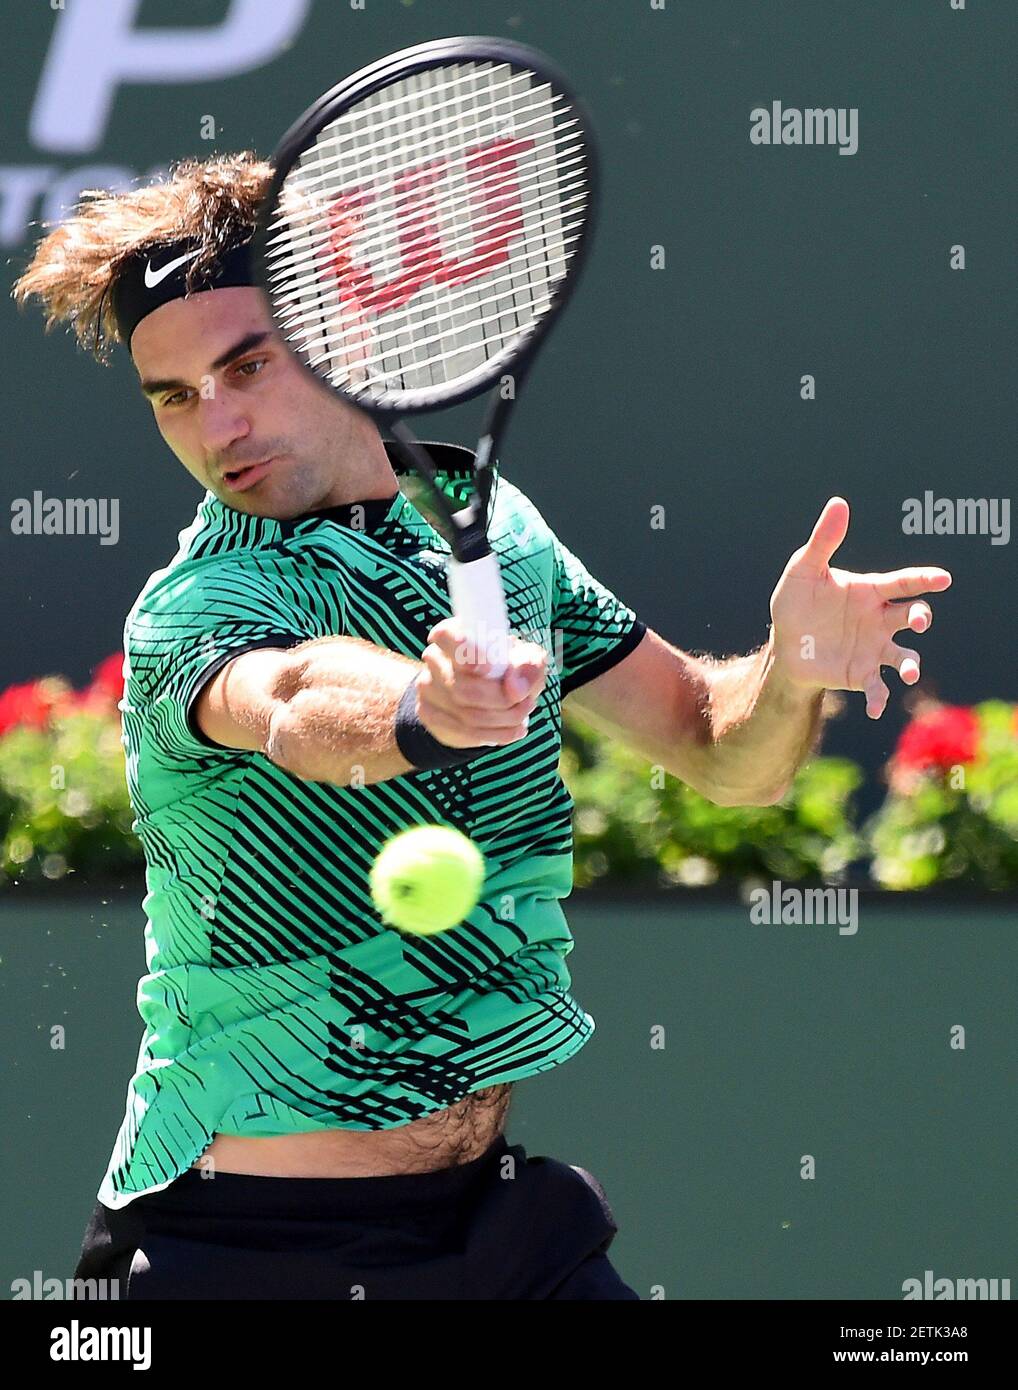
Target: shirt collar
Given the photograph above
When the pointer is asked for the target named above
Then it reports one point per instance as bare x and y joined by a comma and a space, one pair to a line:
451, 461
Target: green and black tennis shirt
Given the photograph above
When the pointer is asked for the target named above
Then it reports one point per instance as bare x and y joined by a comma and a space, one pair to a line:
275, 1001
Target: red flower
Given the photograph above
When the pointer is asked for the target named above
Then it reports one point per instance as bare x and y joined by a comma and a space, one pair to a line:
29, 704
36, 703
941, 738
108, 677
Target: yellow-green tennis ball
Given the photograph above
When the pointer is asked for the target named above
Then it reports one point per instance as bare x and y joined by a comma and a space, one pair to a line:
427, 879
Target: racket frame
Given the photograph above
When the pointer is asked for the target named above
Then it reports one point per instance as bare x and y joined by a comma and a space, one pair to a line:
473, 577
356, 88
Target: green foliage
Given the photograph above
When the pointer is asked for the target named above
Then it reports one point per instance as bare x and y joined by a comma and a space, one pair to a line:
636, 824
944, 825
63, 799
64, 807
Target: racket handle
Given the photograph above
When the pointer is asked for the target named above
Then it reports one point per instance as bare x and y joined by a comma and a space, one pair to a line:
478, 600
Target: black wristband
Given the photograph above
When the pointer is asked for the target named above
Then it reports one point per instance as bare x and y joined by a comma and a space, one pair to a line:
421, 748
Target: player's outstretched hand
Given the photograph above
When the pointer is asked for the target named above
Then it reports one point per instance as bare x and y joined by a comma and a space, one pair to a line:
466, 708
834, 630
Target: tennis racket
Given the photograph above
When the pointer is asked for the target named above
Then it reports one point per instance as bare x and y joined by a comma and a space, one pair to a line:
426, 222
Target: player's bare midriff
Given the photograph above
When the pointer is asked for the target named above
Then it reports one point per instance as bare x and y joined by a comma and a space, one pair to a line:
449, 1137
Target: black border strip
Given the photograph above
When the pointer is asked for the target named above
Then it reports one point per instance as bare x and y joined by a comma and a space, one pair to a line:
606, 660
275, 639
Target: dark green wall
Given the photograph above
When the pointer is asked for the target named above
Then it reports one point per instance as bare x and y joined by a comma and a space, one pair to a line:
779, 1041
678, 386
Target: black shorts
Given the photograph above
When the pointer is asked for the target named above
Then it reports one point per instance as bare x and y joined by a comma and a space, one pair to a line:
503, 1226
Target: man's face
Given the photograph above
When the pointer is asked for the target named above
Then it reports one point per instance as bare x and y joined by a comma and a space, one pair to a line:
243, 416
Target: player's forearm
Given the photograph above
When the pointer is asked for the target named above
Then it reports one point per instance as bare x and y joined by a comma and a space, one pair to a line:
333, 715
761, 728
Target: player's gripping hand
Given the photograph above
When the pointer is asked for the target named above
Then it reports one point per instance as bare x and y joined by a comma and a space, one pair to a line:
461, 705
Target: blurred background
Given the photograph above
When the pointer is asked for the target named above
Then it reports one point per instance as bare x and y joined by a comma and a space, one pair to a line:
676, 387
723, 273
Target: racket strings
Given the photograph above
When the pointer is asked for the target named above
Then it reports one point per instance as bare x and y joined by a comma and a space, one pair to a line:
415, 256
450, 78
445, 357
449, 208
445, 207
455, 299
306, 339
305, 335
321, 166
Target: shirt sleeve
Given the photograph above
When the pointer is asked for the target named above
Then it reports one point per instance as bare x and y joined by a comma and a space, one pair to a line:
193, 622
592, 630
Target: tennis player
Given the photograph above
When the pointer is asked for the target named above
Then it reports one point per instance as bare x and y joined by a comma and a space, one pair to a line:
319, 1105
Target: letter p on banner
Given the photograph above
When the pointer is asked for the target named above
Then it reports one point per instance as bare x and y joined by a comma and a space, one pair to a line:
96, 47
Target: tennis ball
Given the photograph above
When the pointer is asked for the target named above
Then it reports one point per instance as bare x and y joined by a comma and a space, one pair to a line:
427, 879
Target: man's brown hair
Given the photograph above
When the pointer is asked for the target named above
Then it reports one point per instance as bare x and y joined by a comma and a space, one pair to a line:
75, 266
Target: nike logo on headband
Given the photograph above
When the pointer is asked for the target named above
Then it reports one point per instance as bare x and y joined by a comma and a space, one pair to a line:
153, 277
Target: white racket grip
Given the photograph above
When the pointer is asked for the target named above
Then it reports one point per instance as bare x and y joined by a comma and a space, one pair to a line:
478, 600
